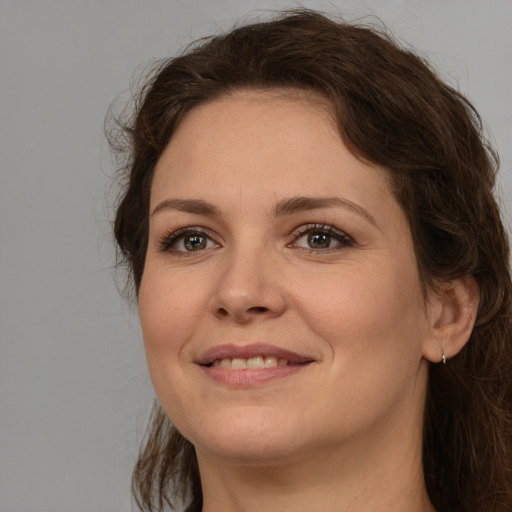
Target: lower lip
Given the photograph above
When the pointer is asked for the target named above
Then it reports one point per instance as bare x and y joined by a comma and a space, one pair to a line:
249, 378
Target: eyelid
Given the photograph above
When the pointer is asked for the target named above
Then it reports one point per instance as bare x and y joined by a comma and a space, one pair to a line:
340, 235
169, 238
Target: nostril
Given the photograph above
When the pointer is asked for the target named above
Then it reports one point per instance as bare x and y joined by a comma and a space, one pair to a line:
258, 309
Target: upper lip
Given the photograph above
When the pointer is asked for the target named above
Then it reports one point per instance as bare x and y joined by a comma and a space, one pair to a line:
230, 351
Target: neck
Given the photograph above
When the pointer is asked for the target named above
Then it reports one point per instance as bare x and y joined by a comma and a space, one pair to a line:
361, 477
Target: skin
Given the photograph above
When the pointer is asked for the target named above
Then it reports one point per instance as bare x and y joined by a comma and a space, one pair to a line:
344, 432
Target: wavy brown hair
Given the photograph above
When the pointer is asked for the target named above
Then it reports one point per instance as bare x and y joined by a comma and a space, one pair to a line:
391, 110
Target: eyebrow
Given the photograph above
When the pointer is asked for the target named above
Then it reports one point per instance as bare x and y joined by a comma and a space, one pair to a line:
286, 207
197, 206
301, 204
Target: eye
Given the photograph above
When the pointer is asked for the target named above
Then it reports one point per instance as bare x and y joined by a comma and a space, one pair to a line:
187, 241
321, 237
318, 240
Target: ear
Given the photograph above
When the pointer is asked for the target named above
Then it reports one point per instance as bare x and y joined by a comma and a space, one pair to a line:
452, 313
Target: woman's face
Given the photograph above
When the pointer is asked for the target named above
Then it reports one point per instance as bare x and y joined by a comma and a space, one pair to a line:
281, 306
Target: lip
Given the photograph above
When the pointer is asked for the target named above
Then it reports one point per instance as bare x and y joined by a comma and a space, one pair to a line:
247, 351
247, 377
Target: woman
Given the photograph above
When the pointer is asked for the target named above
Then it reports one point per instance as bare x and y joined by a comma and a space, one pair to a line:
322, 278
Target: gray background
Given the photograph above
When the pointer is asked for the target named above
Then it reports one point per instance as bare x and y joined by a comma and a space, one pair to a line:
74, 391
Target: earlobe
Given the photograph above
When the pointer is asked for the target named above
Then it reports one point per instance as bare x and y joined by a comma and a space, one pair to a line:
452, 314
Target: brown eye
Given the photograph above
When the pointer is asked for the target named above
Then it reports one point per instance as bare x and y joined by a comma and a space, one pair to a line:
319, 240
187, 241
195, 242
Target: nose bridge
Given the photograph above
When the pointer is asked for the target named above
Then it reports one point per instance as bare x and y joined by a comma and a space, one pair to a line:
247, 285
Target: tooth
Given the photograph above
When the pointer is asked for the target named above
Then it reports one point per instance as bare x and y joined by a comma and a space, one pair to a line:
255, 363
270, 362
238, 364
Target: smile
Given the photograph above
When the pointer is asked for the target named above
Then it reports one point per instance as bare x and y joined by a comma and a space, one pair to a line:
250, 365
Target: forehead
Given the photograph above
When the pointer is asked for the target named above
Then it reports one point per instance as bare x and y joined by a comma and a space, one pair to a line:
261, 141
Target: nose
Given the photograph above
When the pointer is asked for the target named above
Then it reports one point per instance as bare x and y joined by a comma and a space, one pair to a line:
247, 288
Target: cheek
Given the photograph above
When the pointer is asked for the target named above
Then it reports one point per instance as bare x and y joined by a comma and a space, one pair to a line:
364, 312
169, 309
373, 325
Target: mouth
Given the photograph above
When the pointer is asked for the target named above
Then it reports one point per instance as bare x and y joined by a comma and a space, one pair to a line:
251, 364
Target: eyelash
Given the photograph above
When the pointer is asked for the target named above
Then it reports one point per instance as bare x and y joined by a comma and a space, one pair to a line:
168, 241
325, 229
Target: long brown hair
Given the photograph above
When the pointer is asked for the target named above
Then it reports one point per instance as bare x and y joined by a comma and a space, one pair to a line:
391, 110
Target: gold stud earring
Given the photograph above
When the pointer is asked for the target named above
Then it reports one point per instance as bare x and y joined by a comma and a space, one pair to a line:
443, 357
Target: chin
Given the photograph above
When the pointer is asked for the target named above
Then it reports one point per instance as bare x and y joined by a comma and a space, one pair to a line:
245, 436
